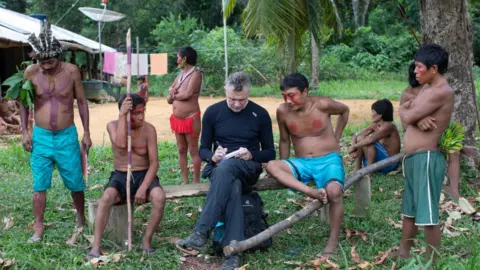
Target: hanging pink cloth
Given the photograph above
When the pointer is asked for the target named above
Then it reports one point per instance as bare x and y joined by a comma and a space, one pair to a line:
109, 62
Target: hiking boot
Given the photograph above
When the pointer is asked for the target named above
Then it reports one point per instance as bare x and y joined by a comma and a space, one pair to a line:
232, 262
195, 241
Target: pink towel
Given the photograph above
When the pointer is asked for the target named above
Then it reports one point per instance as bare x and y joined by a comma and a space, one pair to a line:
109, 62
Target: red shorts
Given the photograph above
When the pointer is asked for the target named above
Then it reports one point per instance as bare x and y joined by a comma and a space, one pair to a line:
182, 126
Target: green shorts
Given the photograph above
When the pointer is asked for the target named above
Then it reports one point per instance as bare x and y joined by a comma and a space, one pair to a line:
56, 147
424, 173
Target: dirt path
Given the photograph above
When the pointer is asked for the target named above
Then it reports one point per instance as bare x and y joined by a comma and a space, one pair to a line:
158, 113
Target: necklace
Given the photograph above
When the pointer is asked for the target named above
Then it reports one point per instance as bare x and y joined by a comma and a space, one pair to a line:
182, 78
51, 78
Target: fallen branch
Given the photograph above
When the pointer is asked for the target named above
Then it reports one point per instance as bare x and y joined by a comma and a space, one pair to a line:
236, 247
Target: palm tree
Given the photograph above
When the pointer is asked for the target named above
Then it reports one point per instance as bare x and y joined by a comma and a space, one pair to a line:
285, 22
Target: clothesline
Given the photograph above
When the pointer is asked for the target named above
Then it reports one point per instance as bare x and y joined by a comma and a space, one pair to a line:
155, 50
115, 63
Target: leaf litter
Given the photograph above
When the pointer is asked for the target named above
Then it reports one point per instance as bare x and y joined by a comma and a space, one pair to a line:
352, 232
8, 222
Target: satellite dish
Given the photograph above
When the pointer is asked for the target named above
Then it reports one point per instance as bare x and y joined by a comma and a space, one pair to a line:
101, 15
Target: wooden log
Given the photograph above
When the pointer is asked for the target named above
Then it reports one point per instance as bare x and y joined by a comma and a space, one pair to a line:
236, 247
195, 190
116, 229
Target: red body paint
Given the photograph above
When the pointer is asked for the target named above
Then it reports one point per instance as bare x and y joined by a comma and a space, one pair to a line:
292, 98
317, 124
292, 127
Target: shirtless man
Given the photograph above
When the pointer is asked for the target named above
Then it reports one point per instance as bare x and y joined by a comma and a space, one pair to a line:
55, 139
306, 122
428, 123
377, 142
424, 164
145, 185
185, 120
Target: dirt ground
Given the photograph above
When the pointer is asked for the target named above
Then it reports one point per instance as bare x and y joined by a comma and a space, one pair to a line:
159, 111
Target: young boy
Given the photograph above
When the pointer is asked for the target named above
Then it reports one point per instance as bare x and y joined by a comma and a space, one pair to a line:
428, 123
377, 142
142, 87
424, 164
305, 121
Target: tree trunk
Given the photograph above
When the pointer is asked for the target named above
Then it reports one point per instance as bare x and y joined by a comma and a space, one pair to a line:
360, 9
447, 23
314, 82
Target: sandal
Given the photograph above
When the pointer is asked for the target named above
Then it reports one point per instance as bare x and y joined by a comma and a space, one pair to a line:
149, 251
32, 240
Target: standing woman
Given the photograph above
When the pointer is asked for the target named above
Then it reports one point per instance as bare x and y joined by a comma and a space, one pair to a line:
185, 120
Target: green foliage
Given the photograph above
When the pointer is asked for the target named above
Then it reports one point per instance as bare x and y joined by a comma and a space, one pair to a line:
475, 15
25, 91
244, 54
367, 53
174, 32
385, 19
452, 139
15, 5
285, 23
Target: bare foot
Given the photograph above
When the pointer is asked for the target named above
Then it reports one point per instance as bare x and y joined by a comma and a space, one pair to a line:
196, 181
38, 234
453, 193
147, 246
395, 254
184, 183
326, 254
321, 195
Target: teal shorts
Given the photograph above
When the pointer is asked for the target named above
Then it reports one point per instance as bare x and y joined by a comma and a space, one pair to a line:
60, 148
424, 174
322, 170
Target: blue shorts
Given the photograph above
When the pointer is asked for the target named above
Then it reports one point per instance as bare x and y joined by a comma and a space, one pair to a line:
61, 148
381, 154
323, 170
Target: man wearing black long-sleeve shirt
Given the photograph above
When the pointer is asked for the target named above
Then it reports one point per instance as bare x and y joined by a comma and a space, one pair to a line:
240, 125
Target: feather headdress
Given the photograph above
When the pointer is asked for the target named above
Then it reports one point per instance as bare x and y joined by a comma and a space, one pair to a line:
46, 45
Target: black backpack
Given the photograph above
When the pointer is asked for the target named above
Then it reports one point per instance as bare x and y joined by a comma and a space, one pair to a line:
255, 219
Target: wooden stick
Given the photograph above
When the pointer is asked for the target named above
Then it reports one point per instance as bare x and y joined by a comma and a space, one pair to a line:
129, 142
236, 247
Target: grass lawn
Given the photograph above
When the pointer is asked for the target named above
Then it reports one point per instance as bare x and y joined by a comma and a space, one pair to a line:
341, 89
390, 87
300, 244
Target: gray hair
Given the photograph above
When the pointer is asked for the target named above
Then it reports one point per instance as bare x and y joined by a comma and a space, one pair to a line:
239, 81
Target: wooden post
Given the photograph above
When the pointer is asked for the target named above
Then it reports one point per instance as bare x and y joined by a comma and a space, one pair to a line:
116, 229
89, 66
129, 141
138, 57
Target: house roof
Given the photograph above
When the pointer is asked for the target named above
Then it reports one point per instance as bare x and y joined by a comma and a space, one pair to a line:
16, 27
